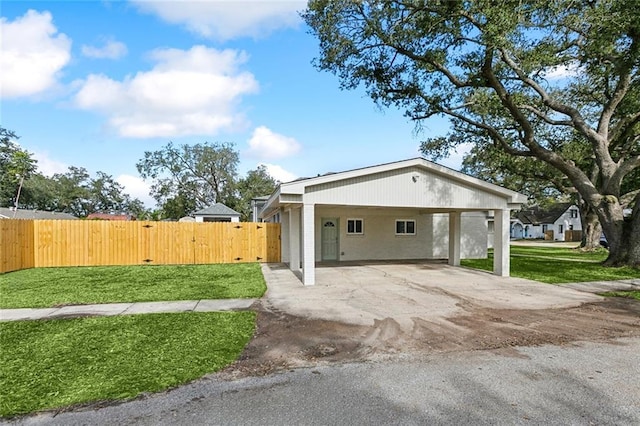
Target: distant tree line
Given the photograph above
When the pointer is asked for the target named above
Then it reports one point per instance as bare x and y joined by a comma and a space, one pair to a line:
184, 180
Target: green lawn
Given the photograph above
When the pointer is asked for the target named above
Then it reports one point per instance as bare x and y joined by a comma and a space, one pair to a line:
55, 363
548, 265
559, 252
631, 294
46, 287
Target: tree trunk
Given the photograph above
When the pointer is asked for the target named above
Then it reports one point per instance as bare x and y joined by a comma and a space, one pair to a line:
591, 228
622, 234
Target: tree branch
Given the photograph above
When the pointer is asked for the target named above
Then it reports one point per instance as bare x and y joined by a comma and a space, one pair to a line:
545, 117
622, 87
626, 167
627, 198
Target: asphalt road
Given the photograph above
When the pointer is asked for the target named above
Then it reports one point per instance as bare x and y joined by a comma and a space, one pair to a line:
590, 383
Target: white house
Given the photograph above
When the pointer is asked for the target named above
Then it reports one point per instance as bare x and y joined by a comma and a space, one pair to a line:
535, 222
412, 209
217, 213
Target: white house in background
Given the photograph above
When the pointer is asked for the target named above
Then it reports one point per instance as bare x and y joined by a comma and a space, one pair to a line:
412, 209
535, 222
217, 213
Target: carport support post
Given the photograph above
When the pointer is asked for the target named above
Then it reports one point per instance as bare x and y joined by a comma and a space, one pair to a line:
308, 245
294, 239
501, 243
454, 238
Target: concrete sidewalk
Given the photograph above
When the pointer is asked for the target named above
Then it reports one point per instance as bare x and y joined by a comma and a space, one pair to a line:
110, 309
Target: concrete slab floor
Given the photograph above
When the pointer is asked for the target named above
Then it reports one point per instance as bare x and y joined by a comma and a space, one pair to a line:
363, 293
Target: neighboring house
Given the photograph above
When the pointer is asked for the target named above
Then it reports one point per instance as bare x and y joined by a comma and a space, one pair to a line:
217, 213
554, 221
111, 216
11, 213
412, 209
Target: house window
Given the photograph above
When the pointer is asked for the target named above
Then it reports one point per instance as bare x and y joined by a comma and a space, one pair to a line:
560, 229
574, 213
544, 228
354, 226
405, 227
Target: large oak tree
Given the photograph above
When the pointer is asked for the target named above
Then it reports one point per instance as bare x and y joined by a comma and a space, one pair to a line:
187, 178
512, 73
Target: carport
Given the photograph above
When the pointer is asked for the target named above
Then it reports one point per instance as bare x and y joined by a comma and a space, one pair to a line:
406, 210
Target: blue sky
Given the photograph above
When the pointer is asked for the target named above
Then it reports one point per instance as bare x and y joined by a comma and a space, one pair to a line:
95, 84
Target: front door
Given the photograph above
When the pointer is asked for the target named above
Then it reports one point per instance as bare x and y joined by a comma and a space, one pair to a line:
330, 239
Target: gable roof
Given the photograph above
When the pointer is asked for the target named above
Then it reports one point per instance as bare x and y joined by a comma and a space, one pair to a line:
536, 215
9, 213
218, 209
298, 186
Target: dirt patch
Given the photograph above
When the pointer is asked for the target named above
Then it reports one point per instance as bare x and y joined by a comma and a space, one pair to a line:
283, 341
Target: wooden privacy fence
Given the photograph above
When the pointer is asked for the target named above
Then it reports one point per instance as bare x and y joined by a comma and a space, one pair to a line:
572, 235
43, 243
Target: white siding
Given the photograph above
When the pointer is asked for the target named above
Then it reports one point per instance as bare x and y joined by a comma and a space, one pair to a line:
407, 187
566, 221
380, 242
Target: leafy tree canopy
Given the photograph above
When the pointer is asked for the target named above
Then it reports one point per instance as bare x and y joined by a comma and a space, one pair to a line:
16, 165
532, 79
187, 178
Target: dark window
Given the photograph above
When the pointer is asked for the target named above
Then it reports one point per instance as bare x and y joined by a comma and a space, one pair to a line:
354, 226
574, 213
405, 227
560, 229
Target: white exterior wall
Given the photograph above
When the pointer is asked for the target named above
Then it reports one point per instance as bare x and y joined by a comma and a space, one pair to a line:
533, 231
474, 235
380, 242
407, 187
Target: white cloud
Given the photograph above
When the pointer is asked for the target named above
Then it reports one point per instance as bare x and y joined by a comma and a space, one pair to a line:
562, 71
224, 20
47, 165
269, 145
278, 173
188, 92
33, 53
111, 50
137, 188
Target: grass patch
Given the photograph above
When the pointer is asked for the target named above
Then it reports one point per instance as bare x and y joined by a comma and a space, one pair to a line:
631, 294
55, 363
46, 287
547, 265
598, 255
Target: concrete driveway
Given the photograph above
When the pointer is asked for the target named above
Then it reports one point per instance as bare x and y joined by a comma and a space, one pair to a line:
362, 293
